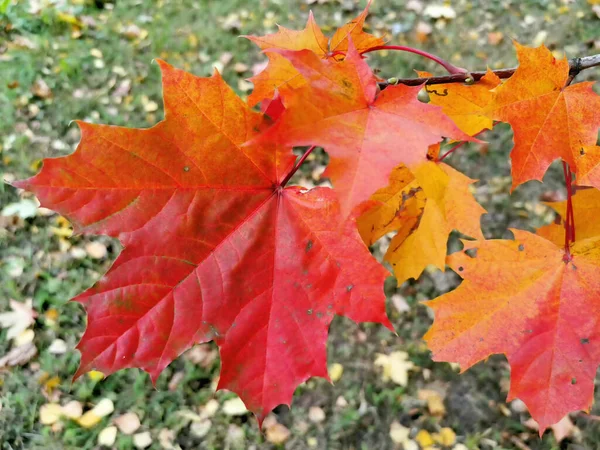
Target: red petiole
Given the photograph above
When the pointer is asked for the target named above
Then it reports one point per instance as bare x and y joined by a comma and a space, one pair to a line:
297, 166
451, 68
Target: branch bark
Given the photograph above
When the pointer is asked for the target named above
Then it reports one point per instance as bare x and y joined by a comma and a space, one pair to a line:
576, 65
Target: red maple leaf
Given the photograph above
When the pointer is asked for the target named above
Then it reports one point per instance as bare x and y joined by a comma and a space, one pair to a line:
215, 246
365, 133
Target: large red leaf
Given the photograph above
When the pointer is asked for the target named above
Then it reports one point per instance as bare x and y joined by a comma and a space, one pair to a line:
365, 133
215, 248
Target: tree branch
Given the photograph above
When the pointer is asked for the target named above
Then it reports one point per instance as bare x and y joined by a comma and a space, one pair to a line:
576, 65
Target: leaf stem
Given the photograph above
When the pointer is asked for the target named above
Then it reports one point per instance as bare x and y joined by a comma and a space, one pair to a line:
460, 144
576, 65
570, 217
452, 69
297, 166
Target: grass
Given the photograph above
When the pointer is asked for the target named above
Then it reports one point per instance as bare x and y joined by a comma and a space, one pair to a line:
97, 64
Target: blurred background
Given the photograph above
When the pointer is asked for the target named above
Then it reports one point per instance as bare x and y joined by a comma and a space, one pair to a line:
81, 59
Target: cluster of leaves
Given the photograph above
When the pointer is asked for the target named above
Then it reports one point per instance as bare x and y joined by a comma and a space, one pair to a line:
219, 247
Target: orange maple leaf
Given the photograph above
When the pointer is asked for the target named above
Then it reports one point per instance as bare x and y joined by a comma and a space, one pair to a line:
364, 133
280, 75
549, 120
465, 104
519, 297
424, 211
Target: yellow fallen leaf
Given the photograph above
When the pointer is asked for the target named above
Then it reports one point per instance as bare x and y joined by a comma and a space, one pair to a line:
51, 384
335, 371
277, 434
50, 413
102, 409
395, 367
434, 400
445, 437
95, 375
424, 438
107, 436
89, 420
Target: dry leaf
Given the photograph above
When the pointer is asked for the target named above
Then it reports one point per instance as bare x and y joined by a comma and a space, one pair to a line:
26, 337
166, 438
95, 415
434, 400
41, 89
316, 414
50, 413
96, 250
72, 410
58, 347
128, 423
395, 367
424, 439
107, 436
335, 372
234, 407
200, 429
17, 321
18, 355
399, 433
142, 440
277, 434
445, 437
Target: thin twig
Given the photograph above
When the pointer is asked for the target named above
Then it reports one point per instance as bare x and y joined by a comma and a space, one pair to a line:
576, 65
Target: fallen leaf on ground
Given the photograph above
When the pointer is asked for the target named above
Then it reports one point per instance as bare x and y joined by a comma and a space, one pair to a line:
395, 366
234, 407
96, 250
58, 347
445, 437
316, 414
72, 409
17, 321
435, 402
424, 439
102, 409
18, 355
50, 413
277, 434
200, 429
336, 371
127, 423
107, 436
142, 440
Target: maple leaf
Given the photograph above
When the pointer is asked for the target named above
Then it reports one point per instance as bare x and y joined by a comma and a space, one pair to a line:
588, 166
424, 210
465, 104
281, 76
214, 247
17, 321
519, 297
549, 120
586, 210
364, 133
